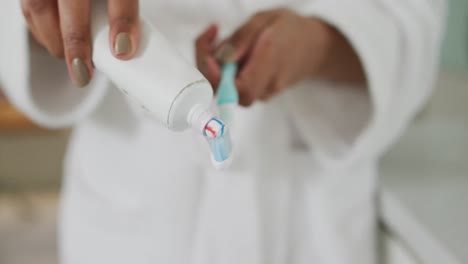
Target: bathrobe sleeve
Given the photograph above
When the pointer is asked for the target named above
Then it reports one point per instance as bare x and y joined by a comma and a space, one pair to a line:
36, 83
398, 43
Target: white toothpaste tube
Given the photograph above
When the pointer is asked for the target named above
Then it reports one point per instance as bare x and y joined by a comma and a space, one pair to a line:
162, 83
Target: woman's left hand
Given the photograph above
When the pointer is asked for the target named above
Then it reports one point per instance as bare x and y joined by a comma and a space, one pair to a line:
274, 49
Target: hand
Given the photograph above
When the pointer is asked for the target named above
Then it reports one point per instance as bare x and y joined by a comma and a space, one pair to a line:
205, 55
277, 48
63, 28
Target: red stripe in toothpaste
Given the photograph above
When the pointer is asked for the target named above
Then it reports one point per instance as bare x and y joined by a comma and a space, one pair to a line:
211, 130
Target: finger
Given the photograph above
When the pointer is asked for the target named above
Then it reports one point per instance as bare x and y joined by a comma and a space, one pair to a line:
268, 93
246, 35
32, 28
204, 44
245, 98
259, 70
266, 97
124, 34
271, 91
76, 33
44, 17
206, 62
212, 72
35, 36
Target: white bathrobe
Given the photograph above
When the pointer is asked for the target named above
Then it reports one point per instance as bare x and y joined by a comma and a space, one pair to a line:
302, 188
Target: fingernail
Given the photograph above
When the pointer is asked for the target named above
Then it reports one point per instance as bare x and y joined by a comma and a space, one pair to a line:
226, 53
122, 44
80, 72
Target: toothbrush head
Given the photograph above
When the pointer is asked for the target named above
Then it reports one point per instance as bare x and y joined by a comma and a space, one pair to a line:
219, 139
216, 134
214, 128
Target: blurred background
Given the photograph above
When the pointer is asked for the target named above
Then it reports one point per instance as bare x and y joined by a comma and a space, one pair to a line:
423, 173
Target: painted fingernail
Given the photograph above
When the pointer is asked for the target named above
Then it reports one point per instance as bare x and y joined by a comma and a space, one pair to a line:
122, 44
80, 72
226, 53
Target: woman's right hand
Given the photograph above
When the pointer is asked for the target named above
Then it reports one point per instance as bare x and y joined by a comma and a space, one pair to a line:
63, 27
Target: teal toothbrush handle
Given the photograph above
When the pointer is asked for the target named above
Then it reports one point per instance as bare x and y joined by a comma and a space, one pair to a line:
227, 92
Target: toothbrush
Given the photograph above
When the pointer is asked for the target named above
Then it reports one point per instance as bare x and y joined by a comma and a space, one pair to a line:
216, 132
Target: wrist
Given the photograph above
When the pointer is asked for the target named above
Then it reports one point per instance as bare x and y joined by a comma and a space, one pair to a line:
331, 55
321, 39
